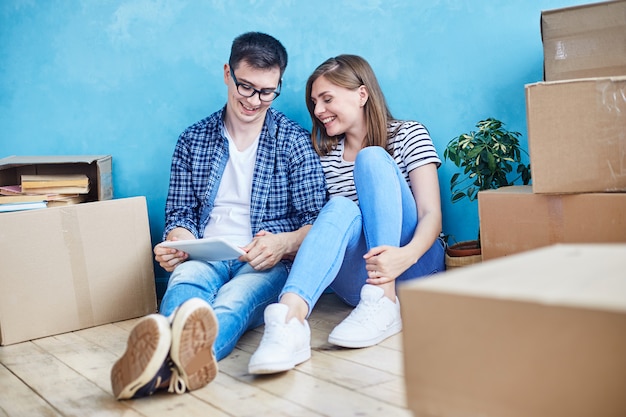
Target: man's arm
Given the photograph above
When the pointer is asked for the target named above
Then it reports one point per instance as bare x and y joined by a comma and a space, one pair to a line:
267, 249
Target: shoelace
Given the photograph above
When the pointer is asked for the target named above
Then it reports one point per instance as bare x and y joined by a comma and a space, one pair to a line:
177, 383
274, 331
364, 311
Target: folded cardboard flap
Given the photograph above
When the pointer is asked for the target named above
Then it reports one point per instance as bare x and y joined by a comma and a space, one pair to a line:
576, 275
73, 267
541, 333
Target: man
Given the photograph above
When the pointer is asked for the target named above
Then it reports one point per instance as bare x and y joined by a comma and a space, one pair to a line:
250, 175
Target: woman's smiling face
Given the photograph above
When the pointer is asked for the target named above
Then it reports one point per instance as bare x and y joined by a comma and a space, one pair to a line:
338, 108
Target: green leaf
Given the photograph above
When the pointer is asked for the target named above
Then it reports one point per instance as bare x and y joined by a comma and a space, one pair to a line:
458, 196
486, 158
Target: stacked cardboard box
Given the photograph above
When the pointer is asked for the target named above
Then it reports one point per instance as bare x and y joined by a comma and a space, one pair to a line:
577, 139
541, 332
71, 267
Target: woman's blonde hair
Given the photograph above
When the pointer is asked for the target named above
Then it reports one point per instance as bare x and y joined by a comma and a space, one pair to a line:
351, 72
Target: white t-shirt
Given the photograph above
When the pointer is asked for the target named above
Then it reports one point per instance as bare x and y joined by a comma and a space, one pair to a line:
411, 146
230, 217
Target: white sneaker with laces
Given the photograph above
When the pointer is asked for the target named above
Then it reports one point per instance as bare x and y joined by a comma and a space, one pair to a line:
283, 346
373, 320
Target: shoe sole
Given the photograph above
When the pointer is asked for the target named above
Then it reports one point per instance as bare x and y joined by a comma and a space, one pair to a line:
396, 328
194, 330
146, 349
276, 367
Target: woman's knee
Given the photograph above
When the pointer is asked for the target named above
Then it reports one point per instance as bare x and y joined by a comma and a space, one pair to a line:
371, 163
340, 206
371, 154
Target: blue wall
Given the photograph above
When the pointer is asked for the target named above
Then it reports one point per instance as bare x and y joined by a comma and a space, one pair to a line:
126, 77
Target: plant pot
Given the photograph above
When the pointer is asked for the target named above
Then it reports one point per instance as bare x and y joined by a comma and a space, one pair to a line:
463, 254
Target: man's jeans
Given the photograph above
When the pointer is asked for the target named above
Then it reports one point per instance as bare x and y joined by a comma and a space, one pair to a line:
332, 252
237, 293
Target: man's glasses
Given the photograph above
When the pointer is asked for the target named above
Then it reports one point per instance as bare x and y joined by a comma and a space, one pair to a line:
246, 90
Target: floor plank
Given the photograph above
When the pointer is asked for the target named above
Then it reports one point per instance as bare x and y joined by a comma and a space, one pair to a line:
319, 395
18, 399
62, 387
244, 400
68, 375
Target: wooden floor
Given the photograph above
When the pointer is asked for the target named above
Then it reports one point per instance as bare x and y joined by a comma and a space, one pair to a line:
68, 375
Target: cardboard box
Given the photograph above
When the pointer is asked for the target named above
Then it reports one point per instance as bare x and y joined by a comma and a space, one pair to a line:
96, 167
514, 219
584, 41
577, 135
541, 333
68, 268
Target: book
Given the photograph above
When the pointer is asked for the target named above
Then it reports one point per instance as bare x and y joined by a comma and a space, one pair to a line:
12, 199
55, 184
10, 207
207, 249
10, 190
10, 194
66, 200
54, 180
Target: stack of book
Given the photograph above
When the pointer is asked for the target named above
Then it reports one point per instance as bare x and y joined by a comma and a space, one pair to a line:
40, 191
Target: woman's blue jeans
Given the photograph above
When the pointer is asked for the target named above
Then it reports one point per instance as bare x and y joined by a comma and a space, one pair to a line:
237, 293
332, 252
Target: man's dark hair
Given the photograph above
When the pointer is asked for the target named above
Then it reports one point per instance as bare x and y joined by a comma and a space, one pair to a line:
259, 50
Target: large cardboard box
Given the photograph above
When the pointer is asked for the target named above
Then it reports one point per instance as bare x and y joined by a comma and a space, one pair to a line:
577, 135
514, 219
584, 41
96, 167
72, 267
542, 333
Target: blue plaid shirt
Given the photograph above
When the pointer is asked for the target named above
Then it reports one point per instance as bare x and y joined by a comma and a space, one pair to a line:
288, 185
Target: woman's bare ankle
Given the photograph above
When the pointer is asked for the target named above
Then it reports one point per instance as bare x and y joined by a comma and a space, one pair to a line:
298, 308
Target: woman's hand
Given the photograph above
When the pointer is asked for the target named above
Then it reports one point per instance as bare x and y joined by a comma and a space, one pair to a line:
386, 263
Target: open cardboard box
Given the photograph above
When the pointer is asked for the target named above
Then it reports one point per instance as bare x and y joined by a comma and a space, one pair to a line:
541, 333
97, 168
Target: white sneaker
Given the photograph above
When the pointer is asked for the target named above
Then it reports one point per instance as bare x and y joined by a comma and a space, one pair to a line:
283, 346
373, 320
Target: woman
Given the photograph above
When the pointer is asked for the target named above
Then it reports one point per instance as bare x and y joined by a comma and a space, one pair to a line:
381, 224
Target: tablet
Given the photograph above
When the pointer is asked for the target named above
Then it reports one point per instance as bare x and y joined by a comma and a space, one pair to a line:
207, 249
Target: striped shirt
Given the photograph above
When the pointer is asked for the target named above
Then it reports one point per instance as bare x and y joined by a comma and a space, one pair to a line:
411, 148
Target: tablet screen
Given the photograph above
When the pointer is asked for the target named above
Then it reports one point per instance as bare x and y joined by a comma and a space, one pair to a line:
208, 249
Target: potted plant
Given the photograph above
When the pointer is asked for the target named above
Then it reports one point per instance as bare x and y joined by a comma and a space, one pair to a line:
487, 158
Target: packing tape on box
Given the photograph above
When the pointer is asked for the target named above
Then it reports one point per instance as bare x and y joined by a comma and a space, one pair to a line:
555, 214
73, 242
